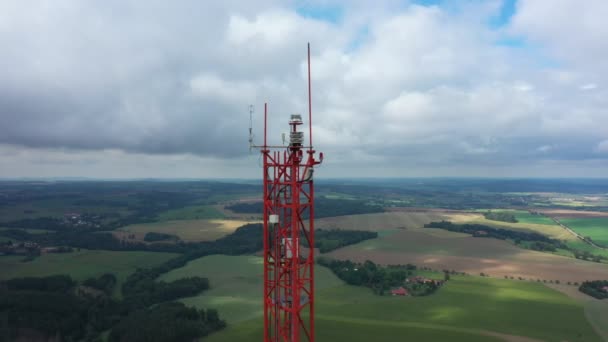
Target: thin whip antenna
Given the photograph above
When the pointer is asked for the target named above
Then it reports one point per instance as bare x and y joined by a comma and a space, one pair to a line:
251, 109
309, 103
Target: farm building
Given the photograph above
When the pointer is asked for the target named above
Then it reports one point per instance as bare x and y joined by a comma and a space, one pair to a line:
399, 292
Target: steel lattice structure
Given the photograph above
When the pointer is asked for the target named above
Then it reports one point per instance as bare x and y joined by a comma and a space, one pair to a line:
289, 233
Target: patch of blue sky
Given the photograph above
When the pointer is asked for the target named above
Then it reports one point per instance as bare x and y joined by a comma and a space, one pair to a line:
512, 42
428, 2
360, 37
332, 14
503, 17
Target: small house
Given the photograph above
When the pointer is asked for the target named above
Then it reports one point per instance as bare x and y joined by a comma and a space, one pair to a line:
399, 292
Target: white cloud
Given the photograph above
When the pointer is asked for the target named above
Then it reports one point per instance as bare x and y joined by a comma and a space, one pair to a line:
588, 86
544, 148
423, 87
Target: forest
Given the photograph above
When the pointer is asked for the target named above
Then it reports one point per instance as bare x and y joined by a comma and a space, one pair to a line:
58, 306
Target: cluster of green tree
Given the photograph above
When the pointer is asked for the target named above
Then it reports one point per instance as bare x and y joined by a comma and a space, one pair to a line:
424, 288
166, 322
154, 237
328, 240
503, 216
324, 207
105, 283
146, 291
538, 241
595, 288
379, 279
586, 255
51, 308
56, 307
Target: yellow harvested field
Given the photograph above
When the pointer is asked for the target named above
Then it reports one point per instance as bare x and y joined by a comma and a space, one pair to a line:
186, 230
552, 231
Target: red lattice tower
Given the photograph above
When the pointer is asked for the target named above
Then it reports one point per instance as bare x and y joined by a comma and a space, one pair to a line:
289, 233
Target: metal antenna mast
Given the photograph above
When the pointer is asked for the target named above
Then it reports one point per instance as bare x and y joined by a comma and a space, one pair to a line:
251, 109
289, 232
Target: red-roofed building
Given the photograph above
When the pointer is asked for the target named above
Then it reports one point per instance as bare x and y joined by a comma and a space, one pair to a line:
399, 292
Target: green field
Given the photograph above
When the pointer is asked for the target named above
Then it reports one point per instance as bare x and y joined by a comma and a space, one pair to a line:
596, 228
236, 284
583, 246
81, 265
524, 216
597, 314
193, 212
466, 309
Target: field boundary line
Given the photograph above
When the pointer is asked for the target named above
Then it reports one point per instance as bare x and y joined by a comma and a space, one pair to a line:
504, 336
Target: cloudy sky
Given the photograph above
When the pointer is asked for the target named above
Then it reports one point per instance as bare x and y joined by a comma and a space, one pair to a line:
129, 89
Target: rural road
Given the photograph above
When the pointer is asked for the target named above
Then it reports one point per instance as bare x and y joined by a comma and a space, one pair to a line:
575, 233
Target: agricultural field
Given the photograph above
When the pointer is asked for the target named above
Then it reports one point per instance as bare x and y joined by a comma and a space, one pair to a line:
583, 246
596, 228
527, 223
236, 284
193, 212
379, 222
81, 264
186, 230
465, 309
597, 314
439, 249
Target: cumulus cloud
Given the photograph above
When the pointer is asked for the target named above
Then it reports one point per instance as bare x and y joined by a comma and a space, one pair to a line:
396, 84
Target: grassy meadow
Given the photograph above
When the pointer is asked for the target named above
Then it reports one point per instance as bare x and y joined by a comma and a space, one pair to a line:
596, 228
81, 264
236, 284
467, 308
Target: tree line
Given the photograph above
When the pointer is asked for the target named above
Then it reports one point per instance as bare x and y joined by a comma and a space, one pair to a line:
324, 207
535, 241
329, 240
595, 288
